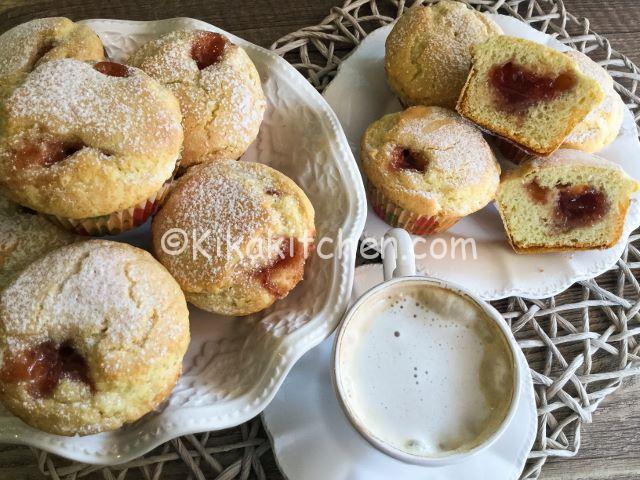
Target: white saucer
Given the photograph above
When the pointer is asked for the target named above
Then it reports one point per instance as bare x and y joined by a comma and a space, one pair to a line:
313, 440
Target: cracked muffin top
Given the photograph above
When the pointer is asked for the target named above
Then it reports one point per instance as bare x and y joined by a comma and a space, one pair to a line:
83, 140
218, 88
428, 52
91, 336
30, 44
431, 161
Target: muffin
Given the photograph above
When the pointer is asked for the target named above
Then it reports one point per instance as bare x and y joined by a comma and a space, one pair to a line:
602, 125
598, 129
30, 44
426, 168
428, 52
571, 200
25, 237
530, 94
92, 336
218, 88
235, 235
91, 145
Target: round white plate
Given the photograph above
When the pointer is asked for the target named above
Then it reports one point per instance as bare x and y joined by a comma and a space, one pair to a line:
234, 366
359, 94
313, 440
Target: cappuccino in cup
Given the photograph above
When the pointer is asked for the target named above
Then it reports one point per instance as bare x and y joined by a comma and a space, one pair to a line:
425, 371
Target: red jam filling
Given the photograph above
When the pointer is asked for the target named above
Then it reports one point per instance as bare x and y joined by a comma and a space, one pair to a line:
574, 206
291, 256
537, 192
519, 89
405, 159
44, 366
45, 154
580, 206
208, 49
112, 69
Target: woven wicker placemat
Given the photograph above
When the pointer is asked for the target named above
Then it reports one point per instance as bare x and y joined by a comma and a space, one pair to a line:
580, 345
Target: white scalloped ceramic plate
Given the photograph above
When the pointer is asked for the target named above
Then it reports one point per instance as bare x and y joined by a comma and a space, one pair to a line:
359, 95
306, 417
235, 366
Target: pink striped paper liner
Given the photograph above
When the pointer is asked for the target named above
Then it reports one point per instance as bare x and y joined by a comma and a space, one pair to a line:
117, 222
397, 216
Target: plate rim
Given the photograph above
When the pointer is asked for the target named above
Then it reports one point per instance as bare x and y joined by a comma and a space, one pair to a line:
288, 349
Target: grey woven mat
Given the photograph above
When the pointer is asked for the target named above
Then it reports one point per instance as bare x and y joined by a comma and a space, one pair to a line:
580, 344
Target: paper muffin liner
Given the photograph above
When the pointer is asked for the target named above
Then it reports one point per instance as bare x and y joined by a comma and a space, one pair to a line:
117, 222
397, 216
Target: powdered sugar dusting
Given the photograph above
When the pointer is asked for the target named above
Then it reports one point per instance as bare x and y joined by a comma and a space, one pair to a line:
596, 123
24, 237
119, 311
90, 292
456, 149
241, 109
428, 52
71, 99
223, 102
224, 208
458, 172
168, 59
19, 45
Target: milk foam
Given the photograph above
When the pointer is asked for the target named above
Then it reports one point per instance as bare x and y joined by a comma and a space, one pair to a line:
426, 370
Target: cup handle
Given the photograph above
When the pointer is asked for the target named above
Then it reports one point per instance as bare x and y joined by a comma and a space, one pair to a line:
398, 259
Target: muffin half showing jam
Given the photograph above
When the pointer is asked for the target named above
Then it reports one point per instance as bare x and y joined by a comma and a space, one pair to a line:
569, 201
528, 93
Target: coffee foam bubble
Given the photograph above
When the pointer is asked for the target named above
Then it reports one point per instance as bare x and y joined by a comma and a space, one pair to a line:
426, 370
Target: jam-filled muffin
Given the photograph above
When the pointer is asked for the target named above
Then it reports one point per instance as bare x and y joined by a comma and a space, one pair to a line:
528, 93
27, 45
426, 168
91, 145
92, 336
598, 129
218, 88
571, 200
428, 52
25, 236
235, 235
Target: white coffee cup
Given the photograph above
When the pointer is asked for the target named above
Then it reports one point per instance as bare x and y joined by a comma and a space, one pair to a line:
399, 276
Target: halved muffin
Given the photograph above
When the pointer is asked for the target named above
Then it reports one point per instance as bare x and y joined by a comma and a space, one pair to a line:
571, 200
528, 93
